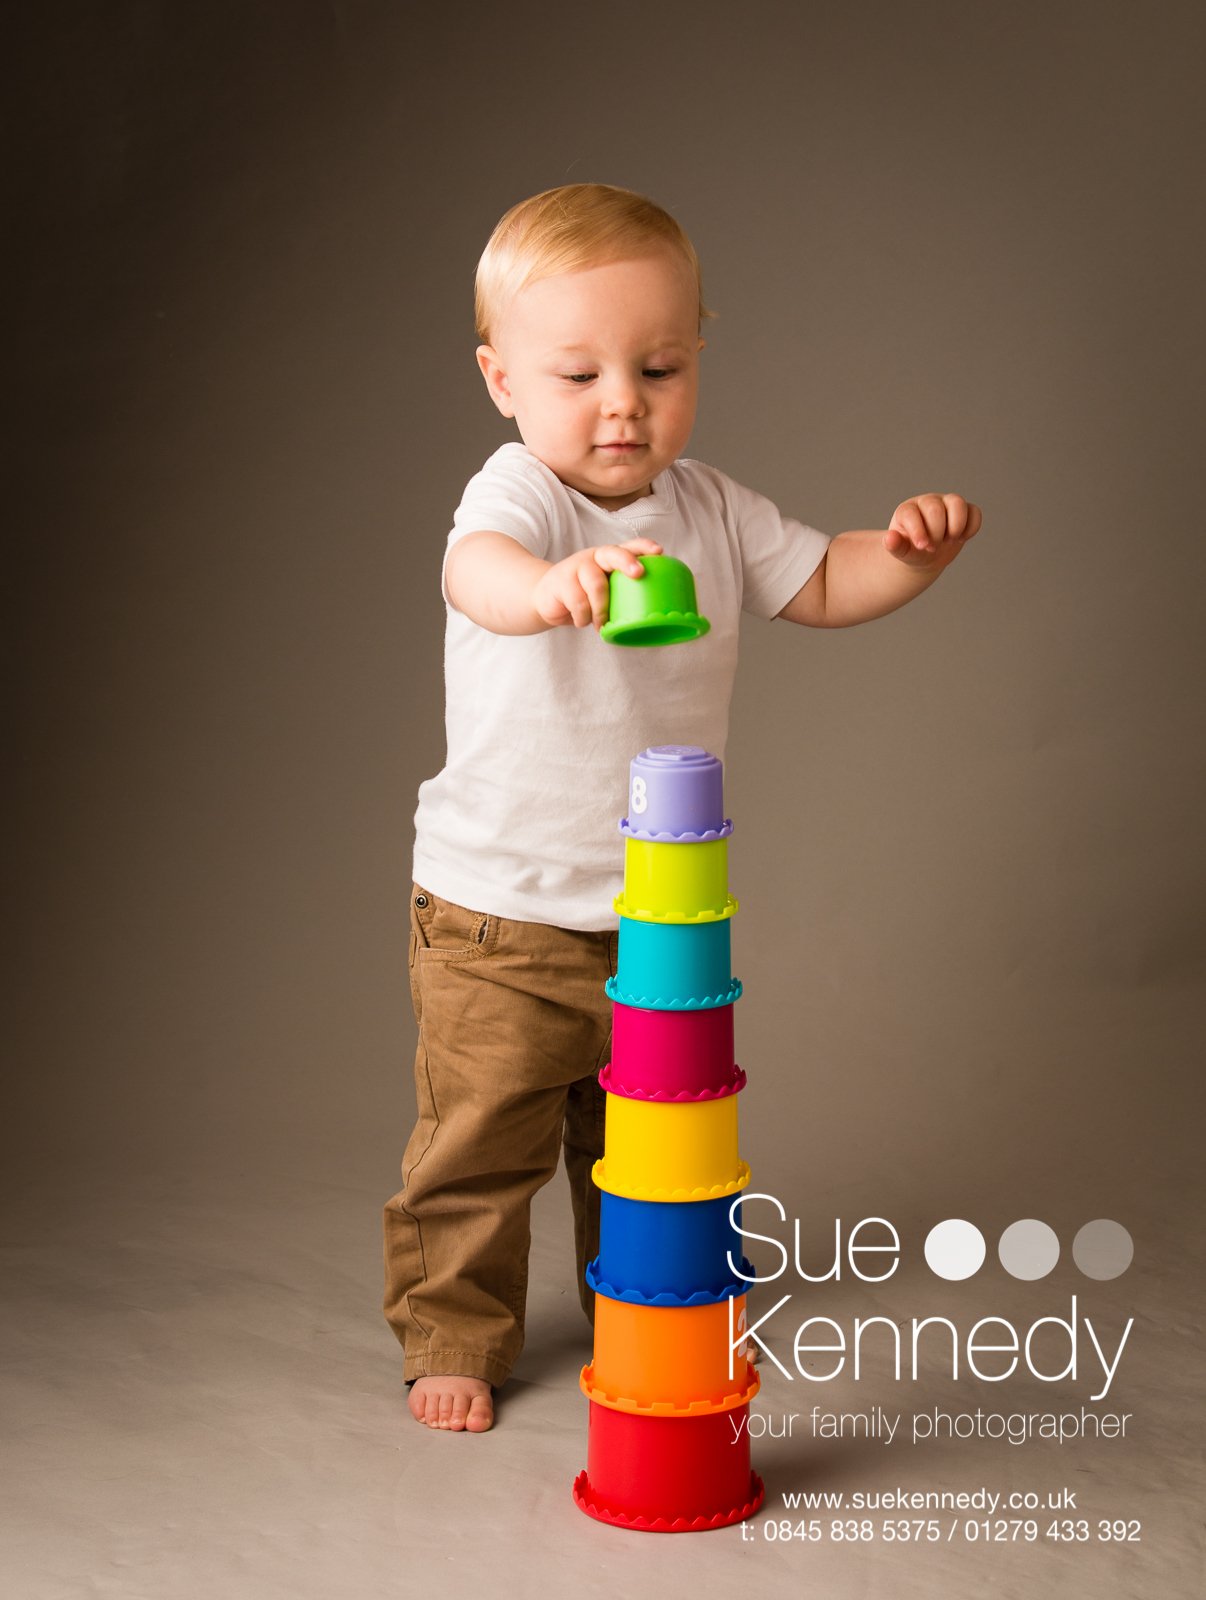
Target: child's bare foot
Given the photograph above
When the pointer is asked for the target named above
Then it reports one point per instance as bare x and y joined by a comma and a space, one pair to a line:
457, 1403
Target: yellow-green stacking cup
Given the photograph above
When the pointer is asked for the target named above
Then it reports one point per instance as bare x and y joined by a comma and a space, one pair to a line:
676, 882
656, 609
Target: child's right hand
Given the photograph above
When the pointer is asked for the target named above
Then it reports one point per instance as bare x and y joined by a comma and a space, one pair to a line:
576, 590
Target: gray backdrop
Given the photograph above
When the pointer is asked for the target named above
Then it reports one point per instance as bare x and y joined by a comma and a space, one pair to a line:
951, 247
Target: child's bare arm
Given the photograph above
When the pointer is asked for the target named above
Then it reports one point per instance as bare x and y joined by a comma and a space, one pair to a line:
869, 572
505, 588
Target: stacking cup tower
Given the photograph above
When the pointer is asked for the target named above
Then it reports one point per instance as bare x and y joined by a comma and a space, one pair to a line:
668, 1448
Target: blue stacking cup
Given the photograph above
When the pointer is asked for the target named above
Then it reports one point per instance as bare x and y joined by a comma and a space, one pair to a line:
674, 966
656, 1253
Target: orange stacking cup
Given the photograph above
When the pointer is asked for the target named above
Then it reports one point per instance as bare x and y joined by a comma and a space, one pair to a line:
668, 1360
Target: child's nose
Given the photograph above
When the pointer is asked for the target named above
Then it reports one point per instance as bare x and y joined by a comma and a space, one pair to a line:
622, 397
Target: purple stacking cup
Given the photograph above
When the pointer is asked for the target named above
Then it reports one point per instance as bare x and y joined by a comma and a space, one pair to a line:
676, 796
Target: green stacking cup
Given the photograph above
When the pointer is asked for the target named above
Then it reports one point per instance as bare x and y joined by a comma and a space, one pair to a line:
656, 609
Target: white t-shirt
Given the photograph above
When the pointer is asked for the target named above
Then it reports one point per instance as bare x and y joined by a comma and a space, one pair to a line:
522, 821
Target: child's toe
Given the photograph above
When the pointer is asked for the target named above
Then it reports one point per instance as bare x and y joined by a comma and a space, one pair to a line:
480, 1414
459, 1413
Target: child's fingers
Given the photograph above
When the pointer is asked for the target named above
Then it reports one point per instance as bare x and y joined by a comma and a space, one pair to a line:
962, 517
895, 541
955, 510
580, 606
568, 603
620, 558
929, 520
596, 593
910, 525
973, 516
934, 516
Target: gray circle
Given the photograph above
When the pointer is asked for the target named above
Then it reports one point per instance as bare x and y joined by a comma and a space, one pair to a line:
1103, 1249
1028, 1249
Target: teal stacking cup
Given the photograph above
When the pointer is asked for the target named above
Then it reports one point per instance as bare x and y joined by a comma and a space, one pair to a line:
659, 608
674, 966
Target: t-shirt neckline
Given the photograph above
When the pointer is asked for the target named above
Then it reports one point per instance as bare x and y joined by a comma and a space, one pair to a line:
651, 504
655, 503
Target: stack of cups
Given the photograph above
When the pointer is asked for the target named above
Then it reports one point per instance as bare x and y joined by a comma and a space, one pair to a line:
670, 1384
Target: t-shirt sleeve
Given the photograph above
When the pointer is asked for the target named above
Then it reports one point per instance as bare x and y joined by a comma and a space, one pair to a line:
506, 496
778, 554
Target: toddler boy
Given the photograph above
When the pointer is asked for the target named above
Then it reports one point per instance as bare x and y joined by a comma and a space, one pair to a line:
589, 309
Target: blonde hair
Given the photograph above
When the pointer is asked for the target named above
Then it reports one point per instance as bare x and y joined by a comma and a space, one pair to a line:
564, 230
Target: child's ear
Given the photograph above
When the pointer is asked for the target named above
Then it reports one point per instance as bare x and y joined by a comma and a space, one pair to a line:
496, 379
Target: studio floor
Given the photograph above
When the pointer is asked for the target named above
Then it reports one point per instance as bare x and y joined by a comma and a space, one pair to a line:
200, 1398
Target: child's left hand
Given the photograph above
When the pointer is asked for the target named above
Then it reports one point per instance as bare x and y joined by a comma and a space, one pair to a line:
931, 529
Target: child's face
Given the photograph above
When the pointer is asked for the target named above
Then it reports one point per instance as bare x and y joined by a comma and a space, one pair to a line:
600, 369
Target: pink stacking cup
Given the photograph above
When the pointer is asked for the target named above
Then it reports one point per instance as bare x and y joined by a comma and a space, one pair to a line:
672, 1055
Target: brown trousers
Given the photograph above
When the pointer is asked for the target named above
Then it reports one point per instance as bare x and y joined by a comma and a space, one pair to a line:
514, 1026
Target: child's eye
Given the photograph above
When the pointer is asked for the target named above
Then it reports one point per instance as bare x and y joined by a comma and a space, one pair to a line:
577, 377
660, 372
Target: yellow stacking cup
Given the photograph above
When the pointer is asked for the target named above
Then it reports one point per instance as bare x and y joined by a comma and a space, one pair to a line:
669, 1360
676, 882
658, 1150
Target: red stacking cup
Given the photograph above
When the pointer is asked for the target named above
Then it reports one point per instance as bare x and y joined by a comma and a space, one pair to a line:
668, 1474
672, 1055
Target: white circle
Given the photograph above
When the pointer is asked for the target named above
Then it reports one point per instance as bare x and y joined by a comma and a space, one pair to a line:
955, 1249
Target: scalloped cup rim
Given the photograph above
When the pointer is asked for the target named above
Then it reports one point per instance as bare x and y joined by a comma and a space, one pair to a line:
630, 629
736, 1083
676, 919
680, 1192
663, 836
704, 1406
666, 1299
692, 1002
662, 1522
